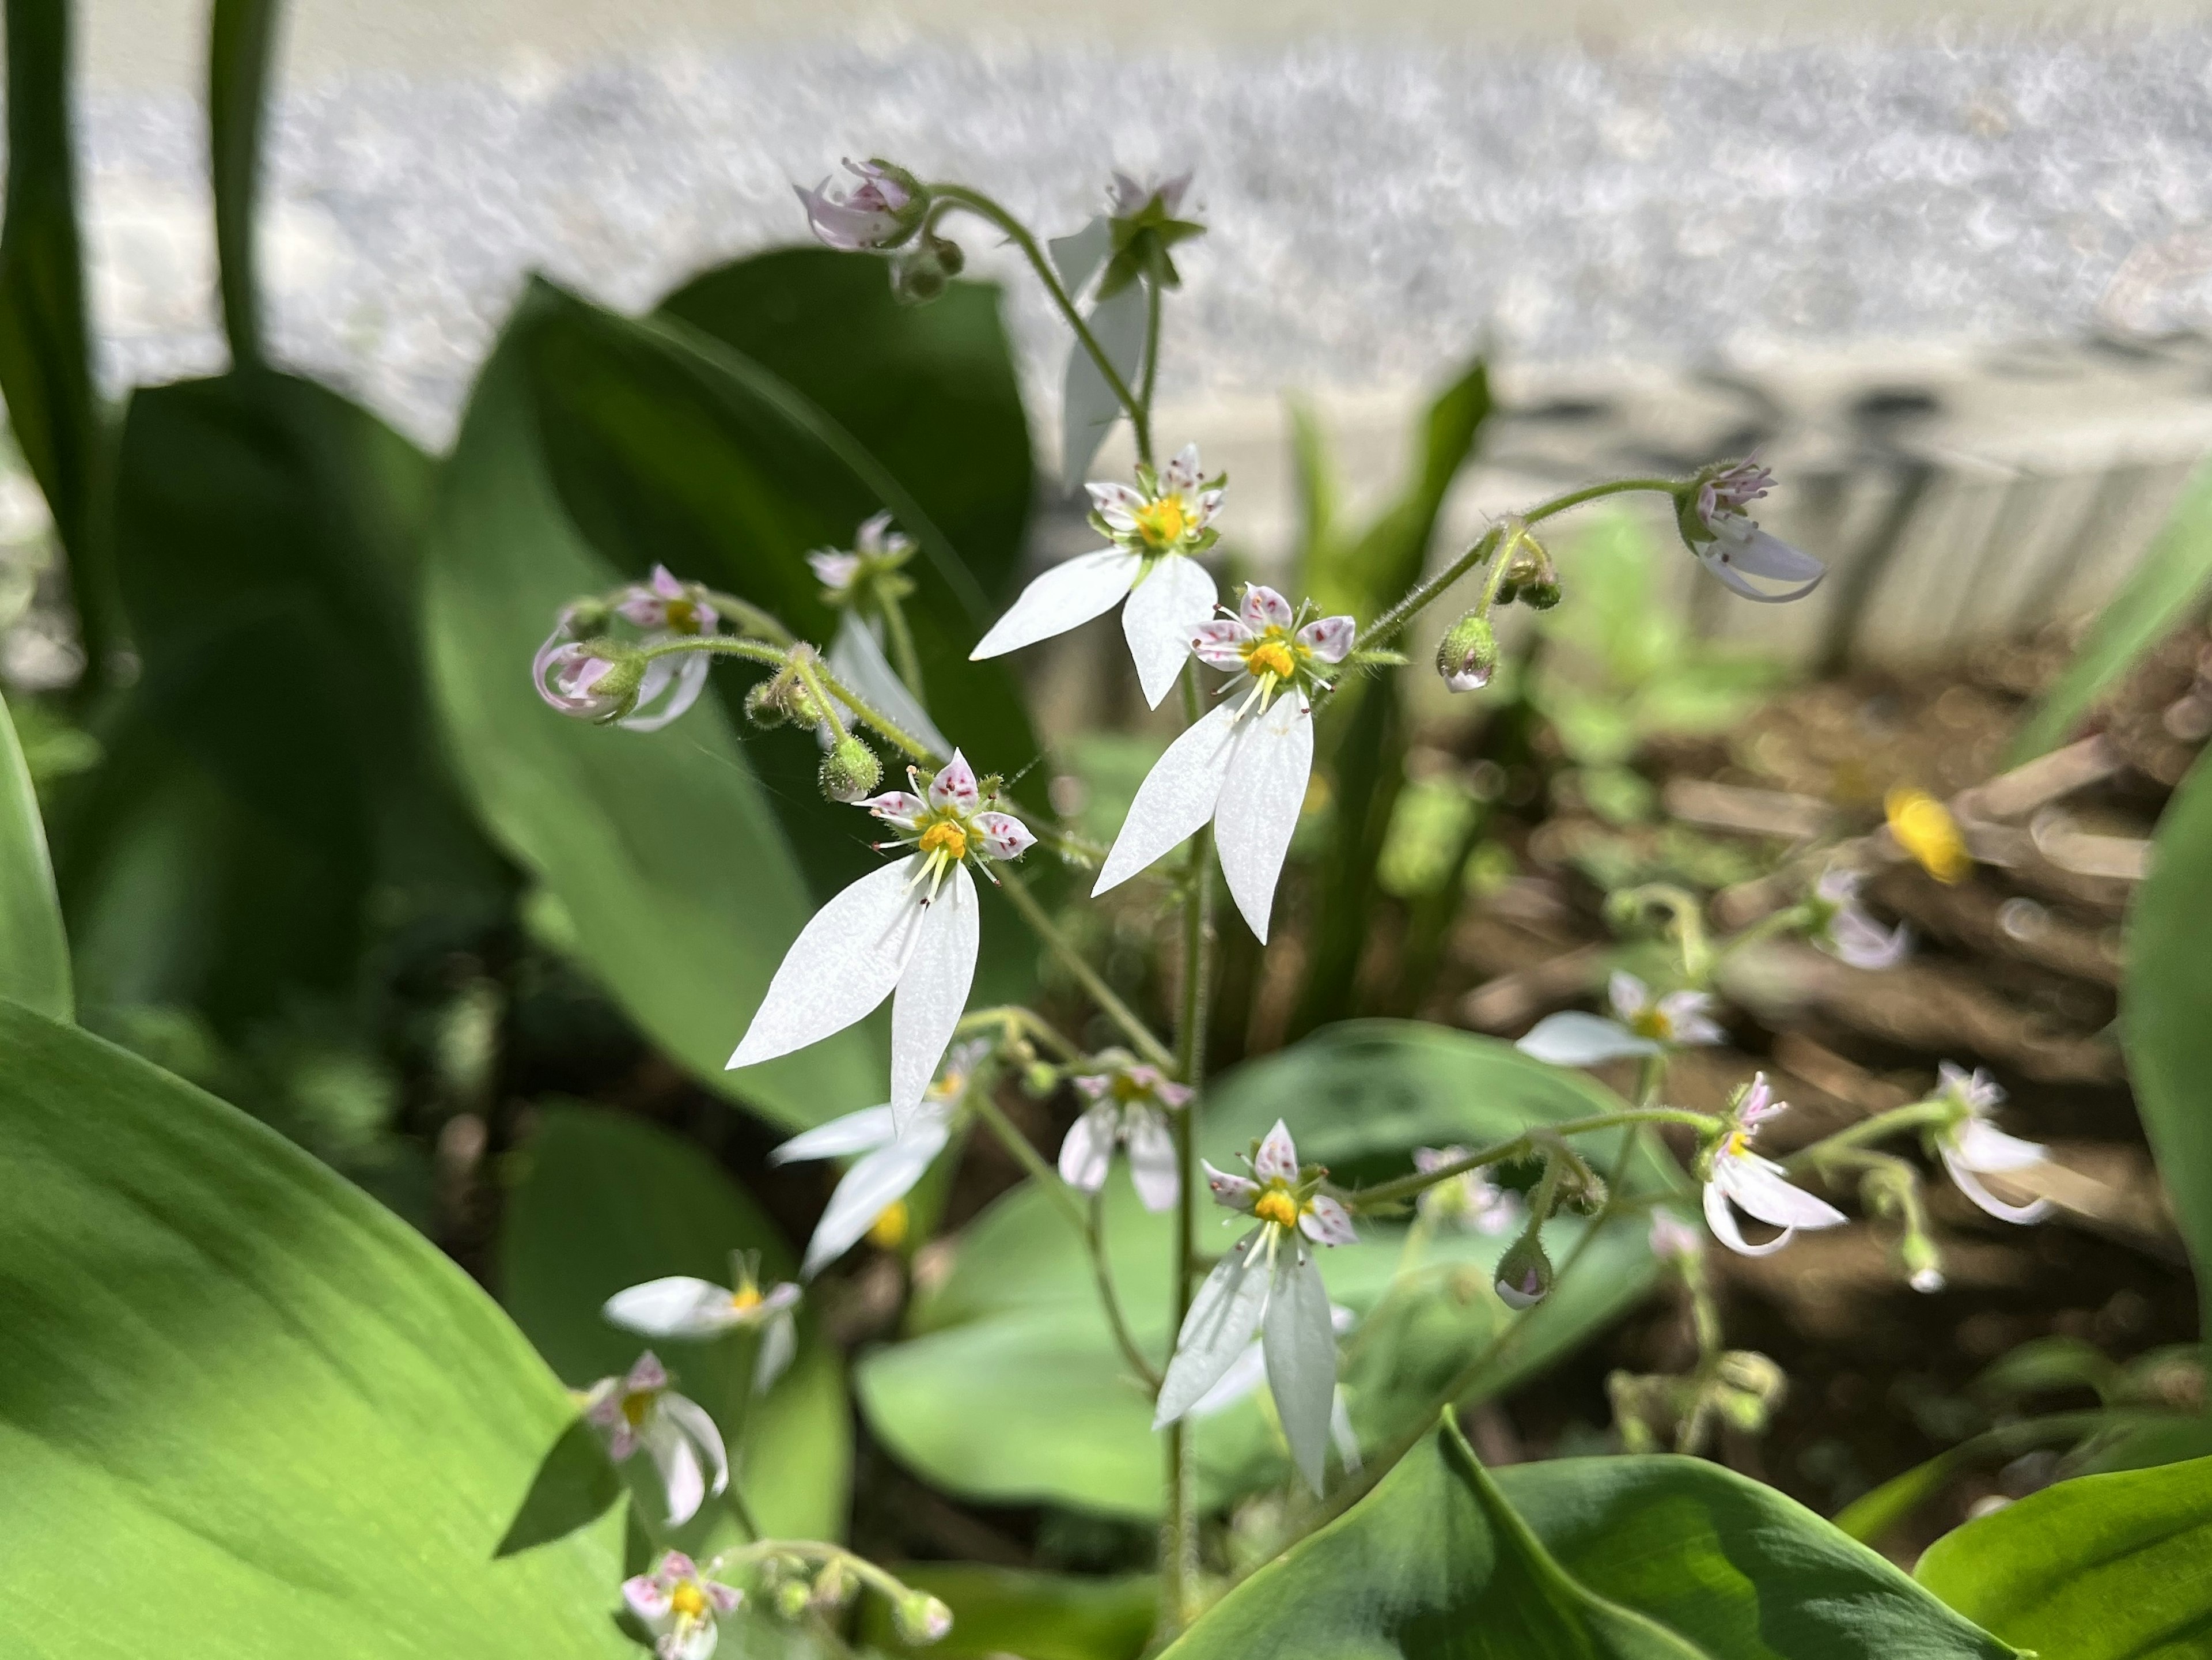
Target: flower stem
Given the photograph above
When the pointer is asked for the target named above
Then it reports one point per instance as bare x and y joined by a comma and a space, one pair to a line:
1405, 1187
983, 207
1012, 1017
1094, 986
1089, 1229
807, 666
1151, 353
750, 617
824, 685
1918, 1115
903, 655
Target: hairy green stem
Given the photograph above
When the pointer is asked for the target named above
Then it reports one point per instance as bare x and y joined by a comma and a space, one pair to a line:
814, 670
1919, 1115
750, 618
904, 657
1094, 986
1405, 1187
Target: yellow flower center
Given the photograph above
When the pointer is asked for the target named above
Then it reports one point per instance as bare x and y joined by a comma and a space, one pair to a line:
1163, 523
888, 1230
1924, 827
1651, 1024
1270, 657
689, 1602
1126, 1089
945, 837
745, 1298
683, 615
634, 1406
1275, 1205
1737, 1145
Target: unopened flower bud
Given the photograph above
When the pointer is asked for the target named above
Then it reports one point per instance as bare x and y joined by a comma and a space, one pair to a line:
592, 679
1040, 1079
850, 772
1530, 578
1524, 1273
792, 1597
764, 705
1467, 656
921, 272
1748, 1387
1583, 1192
920, 1618
1923, 1263
834, 1586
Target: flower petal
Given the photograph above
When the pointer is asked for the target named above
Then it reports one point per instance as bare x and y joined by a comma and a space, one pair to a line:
1627, 995
1983, 1146
1963, 1175
1224, 1318
1087, 408
1330, 638
1277, 1157
1260, 800
1221, 643
1181, 475
694, 1639
1722, 1221
856, 659
779, 1343
1005, 837
1761, 1190
955, 787
1235, 1192
1088, 1148
844, 963
868, 1189
1065, 596
646, 1596
1169, 603
677, 1306
856, 1132
1245, 1374
1342, 1435
683, 1482
1327, 1223
693, 1420
1736, 558
1076, 256
933, 993
1573, 1039
1152, 1159
1264, 608
1300, 1342
688, 681
1176, 797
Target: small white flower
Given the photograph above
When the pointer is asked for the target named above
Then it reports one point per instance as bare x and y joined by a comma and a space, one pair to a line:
1246, 763
1250, 1370
699, 1311
907, 931
639, 1410
1971, 1146
1155, 530
882, 211
1469, 1200
681, 1606
896, 1152
1757, 1185
1674, 1239
572, 676
1734, 548
1268, 1284
1129, 1106
877, 551
1848, 932
1680, 1019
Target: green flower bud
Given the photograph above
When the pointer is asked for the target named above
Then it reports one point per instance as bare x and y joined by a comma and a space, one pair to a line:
764, 705
1468, 654
920, 1618
1583, 1192
850, 772
834, 1586
792, 1599
920, 273
1040, 1079
1524, 1273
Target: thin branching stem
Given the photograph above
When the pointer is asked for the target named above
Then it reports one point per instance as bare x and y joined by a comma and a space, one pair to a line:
1094, 986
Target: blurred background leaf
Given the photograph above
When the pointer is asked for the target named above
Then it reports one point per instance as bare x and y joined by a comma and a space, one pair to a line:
34, 965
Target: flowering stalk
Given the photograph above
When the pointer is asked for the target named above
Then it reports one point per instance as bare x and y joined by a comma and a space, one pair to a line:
1385, 1195
1079, 968
808, 666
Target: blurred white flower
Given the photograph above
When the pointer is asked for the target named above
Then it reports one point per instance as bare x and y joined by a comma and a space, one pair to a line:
1845, 929
1639, 1026
1470, 1200
882, 211
699, 1311
1971, 1146
1756, 1185
1731, 545
640, 1410
1129, 1107
681, 1606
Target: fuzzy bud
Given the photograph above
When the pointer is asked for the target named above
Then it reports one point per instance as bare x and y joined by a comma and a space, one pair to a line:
1747, 1388
920, 273
1467, 656
793, 1598
1583, 1192
764, 705
920, 1618
834, 1586
850, 772
1039, 1079
1524, 1273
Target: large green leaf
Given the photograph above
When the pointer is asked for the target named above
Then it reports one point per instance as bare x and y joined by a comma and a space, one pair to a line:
247, 1411
2165, 1014
1617, 1559
600, 1201
663, 847
1009, 1387
2104, 1567
34, 957
1039, 1616
2158, 594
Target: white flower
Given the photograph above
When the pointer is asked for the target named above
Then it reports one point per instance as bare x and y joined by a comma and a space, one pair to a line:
1133, 196
1129, 1106
877, 551
1267, 1284
907, 931
896, 1154
882, 211
1154, 530
1757, 1185
1734, 548
1246, 763
1674, 1239
1971, 1147
572, 674
1250, 1370
640, 1410
1680, 1019
1846, 930
699, 1311
1470, 1200
680, 1607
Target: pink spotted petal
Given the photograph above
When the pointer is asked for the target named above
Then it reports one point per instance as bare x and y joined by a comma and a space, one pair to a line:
895, 806
1330, 638
646, 1596
1264, 608
1327, 1223
1005, 837
1278, 1156
726, 1598
955, 786
1216, 643
1181, 475
1235, 1192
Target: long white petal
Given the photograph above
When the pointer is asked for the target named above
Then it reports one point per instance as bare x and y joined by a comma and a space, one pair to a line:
1089, 1148
1224, 1318
857, 660
844, 963
933, 993
1260, 800
1576, 1039
779, 1343
1164, 610
1722, 1221
1088, 406
1301, 1347
677, 1462
856, 1132
1152, 1160
1971, 1185
700, 1428
1065, 596
1076, 256
1730, 561
868, 1190
1176, 797
689, 680
678, 1306
1245, 1374
1762, 1191
1983, 1146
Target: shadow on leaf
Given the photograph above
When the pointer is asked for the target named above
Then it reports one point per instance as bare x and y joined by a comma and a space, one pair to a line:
573, 1486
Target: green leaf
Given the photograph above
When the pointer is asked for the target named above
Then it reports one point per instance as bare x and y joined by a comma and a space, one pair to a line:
600, 1201
1626, 1559
1009, 1388
34, 956
242, 38
2165, 1014
2158, 595
663, 847
2104, 1567
1039, 1616
237, 1381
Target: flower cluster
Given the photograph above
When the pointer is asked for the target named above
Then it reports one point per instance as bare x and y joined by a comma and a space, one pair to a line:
580, 671
1130, 1104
